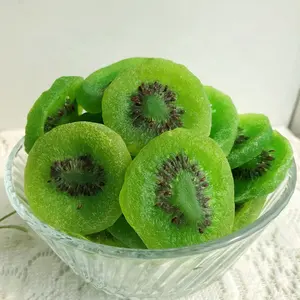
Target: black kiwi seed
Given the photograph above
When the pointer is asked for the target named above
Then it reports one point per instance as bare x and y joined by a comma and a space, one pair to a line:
262, 165
53, 120
241, 137
168, 172
66, 175
79, 206
170, 119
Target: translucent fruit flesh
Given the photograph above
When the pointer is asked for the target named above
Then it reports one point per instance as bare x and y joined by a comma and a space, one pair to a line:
173, 166
122, 231
248, 212
88, 117
199, 202
105, 238
54, 107
91, 92
73, 179
258, 177
152, 98
224, 119
254, 133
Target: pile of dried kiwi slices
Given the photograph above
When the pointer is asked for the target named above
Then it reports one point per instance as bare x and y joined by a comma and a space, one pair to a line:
141, 155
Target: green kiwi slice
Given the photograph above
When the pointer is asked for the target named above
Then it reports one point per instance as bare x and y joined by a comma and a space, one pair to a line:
105, 238
152, 98
179, 194
88, 117
54, 107
122, 231
254, 133
224, 119
248, 212
263, 174
91, 91
73, 177
102, 237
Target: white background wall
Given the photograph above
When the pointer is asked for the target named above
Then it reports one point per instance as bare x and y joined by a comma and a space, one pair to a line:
250, 49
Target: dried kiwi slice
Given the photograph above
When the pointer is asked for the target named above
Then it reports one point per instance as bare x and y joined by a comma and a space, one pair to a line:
88, 117
102, 237
54, 107
179, 191
152, 98
263, 174
254, 133
122, 231
224, 119
248, 212
105, 238
74, 175
91, 91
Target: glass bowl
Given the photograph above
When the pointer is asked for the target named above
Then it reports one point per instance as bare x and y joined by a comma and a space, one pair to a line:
142, 274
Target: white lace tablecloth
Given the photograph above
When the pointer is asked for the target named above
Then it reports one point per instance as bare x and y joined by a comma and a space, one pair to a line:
29, 270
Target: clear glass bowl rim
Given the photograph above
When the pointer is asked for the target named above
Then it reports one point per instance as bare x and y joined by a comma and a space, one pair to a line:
91, 247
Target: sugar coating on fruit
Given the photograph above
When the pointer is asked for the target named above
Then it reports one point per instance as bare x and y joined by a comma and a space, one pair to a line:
91, 91
54, 107
224, 119
181, 182
55, 119
180, 194
152, 98
255, 168
241, 137
263, 174
254, 133
73, 177
248, 212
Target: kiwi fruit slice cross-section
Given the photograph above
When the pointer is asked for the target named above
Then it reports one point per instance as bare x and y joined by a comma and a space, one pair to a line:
122, 231
263, 174
248, 212
254, 133
74, 175
105, 238
224, 119
152, 98
180, 194
91, 91
54, 107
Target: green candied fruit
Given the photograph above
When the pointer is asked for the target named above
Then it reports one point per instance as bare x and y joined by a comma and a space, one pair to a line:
54, 107
122, 231
91, 91
152, 98
263, 174
73, 177
105, 238
254, 133
180, 194
88, 117
224, 119
248, 212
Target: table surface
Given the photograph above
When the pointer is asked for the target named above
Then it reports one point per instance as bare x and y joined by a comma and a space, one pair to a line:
270, 269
